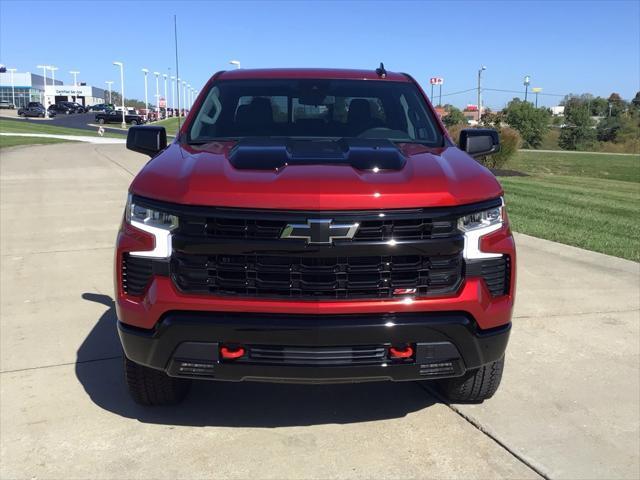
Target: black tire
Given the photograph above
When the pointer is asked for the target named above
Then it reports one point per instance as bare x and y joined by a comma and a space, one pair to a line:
475, 386
153, 387
101, 121
134, 122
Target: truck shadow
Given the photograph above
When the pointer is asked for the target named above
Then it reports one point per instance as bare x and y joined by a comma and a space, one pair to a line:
246, 404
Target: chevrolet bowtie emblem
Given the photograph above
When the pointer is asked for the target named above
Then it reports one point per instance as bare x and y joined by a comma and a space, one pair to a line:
320, 231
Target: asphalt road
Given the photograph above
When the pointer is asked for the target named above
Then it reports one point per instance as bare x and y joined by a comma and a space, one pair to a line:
75, 120
567, 408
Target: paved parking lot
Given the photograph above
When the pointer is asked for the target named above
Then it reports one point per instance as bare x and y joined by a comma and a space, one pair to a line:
568, 406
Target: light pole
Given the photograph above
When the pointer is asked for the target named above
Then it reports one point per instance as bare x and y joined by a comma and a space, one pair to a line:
235, 62
184, 96
178, 94
527, 81
173, 95
44, 75
121, 65
157, 74
483, 68
13, 91
109, 83
190, 96
53, 75
166, 100
146, 95
536, 90
75, 77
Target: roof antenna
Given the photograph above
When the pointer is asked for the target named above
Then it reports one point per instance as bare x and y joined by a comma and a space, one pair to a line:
380, 71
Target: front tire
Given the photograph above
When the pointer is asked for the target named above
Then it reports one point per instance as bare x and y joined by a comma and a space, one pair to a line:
475, 386
134, 122
152, 387
101, 121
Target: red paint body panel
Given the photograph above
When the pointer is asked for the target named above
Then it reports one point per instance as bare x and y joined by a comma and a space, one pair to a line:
431, 178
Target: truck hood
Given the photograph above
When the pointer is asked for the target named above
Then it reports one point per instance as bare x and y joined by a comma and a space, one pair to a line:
203, 175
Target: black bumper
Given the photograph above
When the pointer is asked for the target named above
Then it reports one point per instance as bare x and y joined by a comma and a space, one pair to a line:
314, 348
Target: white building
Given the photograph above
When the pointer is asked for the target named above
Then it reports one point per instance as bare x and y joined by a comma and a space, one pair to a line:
557, 110
83, 94
21, 88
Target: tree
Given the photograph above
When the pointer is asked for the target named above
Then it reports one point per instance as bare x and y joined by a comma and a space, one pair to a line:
599, 107
578, 132
617, 105
454, 117
532, 123
636, 101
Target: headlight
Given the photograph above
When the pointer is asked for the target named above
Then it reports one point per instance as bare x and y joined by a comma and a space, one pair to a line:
484, 219
157, 223
478, 224
149, 216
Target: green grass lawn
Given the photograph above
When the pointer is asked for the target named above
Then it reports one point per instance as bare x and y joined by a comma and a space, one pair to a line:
590, 201
21, 126
171, 124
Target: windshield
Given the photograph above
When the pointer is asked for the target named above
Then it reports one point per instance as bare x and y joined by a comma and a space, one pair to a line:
315, 109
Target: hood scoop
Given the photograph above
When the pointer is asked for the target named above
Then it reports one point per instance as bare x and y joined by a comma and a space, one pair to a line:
274, 153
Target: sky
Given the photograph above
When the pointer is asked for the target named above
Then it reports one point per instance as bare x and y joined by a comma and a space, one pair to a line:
565, 47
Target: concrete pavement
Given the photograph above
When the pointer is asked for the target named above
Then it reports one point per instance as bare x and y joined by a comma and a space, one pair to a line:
568, 406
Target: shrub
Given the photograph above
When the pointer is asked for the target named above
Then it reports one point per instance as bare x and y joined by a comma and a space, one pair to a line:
510, 141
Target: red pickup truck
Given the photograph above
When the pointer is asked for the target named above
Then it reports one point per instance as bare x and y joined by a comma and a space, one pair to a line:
312, 225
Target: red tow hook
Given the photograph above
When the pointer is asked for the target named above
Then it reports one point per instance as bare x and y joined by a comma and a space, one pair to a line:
231, 353
404, 352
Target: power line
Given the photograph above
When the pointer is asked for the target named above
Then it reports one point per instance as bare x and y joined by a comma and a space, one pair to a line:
457, 93
520, 91
499, 90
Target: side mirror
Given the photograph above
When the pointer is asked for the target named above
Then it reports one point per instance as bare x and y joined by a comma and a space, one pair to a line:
479, 142
147, 140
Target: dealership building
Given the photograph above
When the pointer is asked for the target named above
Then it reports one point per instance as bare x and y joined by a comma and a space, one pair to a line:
21, 88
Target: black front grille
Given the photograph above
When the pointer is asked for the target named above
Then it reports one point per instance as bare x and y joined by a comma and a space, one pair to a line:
316, 356
316, 277
378, 228
136, 273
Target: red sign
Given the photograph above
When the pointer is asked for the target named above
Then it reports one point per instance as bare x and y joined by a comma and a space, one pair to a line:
436, 80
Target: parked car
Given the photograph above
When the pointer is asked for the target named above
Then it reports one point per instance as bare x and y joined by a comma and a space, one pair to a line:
101, 107
314, 226
62, 107
7, 104
35, 104
34, 111
113, 116
77, 107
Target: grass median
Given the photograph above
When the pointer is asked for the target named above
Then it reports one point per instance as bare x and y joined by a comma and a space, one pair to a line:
590, 201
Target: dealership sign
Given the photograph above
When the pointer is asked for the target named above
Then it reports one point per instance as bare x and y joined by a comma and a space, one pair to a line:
436, 80
68, 90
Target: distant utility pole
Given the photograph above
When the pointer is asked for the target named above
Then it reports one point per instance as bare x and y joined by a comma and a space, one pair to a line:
527, 81
480, 91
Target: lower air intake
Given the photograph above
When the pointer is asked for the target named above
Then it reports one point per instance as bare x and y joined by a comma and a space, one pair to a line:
437, 369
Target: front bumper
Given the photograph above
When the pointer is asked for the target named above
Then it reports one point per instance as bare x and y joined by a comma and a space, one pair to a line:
186, 344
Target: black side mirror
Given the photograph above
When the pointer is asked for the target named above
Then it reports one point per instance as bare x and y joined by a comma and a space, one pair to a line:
479, 142
147, 140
